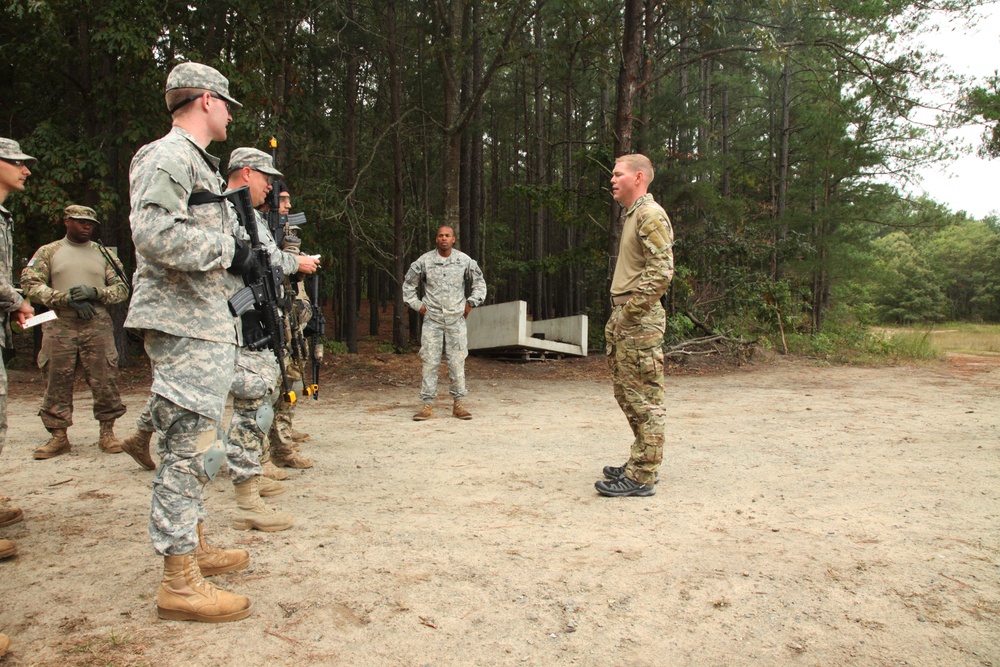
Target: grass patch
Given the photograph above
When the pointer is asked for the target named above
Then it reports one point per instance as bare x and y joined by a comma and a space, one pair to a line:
956, 337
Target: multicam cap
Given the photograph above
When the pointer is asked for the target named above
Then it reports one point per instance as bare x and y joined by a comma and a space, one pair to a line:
11, 150
196, 75
81, 213
253, 158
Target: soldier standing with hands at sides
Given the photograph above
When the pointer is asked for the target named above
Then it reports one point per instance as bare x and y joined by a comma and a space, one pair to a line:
634, 332
186, 258
444, 272
13, 173
75, 277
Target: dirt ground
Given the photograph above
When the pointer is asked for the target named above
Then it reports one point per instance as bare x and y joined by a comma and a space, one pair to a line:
806, 515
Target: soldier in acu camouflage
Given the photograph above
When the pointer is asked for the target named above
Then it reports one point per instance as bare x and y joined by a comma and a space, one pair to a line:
77, 278
634, 332
444, 272
256, 388
187, 256
14, 171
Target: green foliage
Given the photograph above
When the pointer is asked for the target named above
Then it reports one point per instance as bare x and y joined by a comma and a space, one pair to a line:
334, 347
765, 149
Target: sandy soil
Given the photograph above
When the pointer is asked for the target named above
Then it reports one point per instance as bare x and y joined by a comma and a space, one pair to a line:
807, 515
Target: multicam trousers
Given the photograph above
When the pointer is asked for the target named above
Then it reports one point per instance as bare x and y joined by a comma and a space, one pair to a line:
69, 345
191, 381
450, 340
635, 357
3, 404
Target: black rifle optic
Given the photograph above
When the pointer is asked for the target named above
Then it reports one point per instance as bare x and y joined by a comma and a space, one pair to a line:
258, 304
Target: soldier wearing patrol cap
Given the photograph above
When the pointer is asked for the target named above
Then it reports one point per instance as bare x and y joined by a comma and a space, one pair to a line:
13, 173
77, 278
255, 389
186, 258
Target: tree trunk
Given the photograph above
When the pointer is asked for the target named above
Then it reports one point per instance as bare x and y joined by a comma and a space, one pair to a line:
399, 307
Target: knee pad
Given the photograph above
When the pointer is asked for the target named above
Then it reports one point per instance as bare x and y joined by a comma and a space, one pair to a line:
264, 416
212, 458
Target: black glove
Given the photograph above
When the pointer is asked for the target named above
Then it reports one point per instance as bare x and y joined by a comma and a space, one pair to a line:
83, 293
241, 258
84, 309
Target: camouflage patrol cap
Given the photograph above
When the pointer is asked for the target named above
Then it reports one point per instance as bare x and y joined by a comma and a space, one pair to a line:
11, 150
253, 158
196, 75
81, 213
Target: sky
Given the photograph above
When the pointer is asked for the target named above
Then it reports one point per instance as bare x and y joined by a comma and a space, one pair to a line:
970, 184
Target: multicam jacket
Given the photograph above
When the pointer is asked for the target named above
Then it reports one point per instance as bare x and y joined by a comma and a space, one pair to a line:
645, 264
37, 276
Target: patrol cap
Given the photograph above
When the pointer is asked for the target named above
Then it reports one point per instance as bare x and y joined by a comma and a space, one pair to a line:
81, 213
253, 158
196, 75
11, 150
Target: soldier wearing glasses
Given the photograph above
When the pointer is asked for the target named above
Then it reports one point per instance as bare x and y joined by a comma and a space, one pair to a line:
186, 257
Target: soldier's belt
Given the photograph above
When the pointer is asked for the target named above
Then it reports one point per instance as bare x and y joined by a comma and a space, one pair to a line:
621, 299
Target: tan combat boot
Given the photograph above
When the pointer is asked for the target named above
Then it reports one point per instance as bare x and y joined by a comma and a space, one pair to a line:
268, 487
8, 548
137, 446
212, 561
9, 515
107, 441
272, 471
459, 411
426, 412
184, 595
4, 645
57, 444
299, 436
253, 513
290, 459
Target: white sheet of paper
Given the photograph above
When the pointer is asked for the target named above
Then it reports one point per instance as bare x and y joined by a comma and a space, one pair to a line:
47, 316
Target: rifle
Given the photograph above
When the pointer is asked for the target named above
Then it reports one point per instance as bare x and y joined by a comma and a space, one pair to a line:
278, 224
258, 303
316, 329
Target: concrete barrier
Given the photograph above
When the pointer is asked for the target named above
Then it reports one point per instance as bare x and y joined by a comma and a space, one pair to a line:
505, 328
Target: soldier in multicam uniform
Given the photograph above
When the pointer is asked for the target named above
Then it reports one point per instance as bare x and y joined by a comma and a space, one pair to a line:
13, 173
634, 332
255, 389
444, 272
186, 256
73, 277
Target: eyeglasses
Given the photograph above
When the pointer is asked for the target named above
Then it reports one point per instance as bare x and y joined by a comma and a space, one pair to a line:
16, 163
229, 109
188, 100
270, 179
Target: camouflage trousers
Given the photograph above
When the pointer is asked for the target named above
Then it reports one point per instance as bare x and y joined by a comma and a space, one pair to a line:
279, 439
451, 341
191, 381
635, 357
70, 345
3, 404
255, 390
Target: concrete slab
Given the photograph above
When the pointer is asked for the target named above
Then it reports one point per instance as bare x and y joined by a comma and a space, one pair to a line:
505, 327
